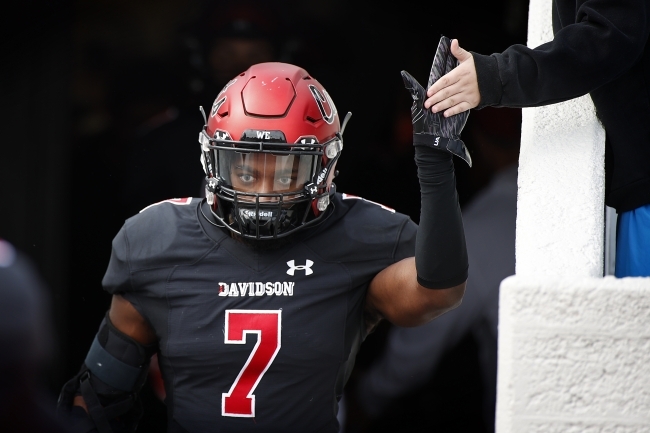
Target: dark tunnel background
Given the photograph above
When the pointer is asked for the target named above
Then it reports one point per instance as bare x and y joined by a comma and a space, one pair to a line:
88, 89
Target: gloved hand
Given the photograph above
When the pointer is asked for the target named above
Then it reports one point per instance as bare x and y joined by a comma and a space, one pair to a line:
433, 129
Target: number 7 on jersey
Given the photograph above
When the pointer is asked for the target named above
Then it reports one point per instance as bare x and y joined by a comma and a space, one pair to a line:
240, 400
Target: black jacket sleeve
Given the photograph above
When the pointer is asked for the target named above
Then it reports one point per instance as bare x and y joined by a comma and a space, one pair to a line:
595, 42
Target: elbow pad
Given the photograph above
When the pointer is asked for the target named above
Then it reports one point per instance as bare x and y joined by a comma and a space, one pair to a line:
113, 373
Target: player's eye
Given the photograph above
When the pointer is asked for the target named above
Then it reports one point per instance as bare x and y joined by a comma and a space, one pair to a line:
246, 178
284, 180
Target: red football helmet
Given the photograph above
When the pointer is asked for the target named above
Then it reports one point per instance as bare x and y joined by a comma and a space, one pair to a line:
269, 148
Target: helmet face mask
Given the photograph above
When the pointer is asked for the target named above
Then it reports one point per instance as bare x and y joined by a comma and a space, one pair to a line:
263, 194
276, 178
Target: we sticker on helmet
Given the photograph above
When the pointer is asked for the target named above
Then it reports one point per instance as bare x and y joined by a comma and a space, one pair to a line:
321, 100
263, 135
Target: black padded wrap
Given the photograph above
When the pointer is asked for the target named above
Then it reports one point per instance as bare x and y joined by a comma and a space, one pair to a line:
121, 346
110, 409
440, 251
115, 358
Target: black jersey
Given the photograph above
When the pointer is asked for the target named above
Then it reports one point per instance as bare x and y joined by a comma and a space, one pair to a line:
255, 340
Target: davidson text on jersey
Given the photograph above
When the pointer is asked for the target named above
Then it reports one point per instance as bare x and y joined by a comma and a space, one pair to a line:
276, 288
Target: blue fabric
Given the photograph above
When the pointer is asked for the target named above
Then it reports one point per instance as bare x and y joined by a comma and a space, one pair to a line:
633, 243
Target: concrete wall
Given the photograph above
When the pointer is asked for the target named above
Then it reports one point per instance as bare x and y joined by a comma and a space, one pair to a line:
574, 355
574, 348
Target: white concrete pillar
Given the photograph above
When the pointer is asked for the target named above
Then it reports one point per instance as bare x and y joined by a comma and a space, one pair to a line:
561, 202
574, 348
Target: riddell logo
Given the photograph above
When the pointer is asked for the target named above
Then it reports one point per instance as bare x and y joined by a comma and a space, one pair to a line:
435, 143
321, 176
306, 267
253, 214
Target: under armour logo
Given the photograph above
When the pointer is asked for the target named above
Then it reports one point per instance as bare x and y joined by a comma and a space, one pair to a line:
306, 267
311, 189
221, 135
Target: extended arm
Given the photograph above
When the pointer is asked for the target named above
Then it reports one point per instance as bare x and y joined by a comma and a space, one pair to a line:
416, 290
605, 40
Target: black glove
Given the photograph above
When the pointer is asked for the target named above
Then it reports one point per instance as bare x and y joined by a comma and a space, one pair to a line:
434, 129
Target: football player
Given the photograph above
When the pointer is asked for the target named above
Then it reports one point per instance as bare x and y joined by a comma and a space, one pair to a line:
257, 298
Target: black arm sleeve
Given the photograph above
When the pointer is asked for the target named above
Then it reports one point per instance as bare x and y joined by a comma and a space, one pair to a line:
440, 251
595, 42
